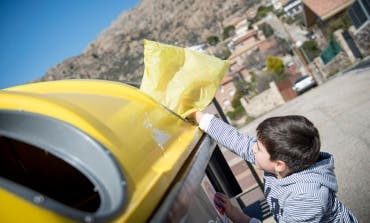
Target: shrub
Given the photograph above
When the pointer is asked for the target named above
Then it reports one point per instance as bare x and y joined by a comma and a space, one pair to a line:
267, 30
228, 31
212, 40
311, 49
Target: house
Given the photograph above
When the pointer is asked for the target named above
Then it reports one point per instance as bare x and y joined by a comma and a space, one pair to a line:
225, 93
359, 13
243, 47
352, 43
228, 88
266, 46
293, 8
241, 28
238, 70
239, 42
319, 11
278, 4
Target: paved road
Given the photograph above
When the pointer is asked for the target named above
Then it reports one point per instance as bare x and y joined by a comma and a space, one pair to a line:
340, 109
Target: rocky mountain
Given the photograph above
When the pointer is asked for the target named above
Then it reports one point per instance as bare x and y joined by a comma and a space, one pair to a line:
117, 53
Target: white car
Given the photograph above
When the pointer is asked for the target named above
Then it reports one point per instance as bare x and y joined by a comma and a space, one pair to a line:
303, 84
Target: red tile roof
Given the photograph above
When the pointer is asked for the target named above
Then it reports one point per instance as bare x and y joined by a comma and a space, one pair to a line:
245, 37
327, 8
292, 69
266, 45
226, 79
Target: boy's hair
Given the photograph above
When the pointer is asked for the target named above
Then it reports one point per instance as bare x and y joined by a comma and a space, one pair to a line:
292, 139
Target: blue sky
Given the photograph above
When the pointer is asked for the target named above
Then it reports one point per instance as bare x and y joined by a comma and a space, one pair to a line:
38, 34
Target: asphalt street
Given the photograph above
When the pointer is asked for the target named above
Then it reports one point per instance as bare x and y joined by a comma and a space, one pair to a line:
340, 109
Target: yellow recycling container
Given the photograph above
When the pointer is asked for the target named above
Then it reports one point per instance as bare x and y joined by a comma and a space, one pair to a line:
87, 151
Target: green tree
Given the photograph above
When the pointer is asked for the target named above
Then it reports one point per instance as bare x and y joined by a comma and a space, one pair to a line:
275, 65
236, 99
341, 22
263, 11
223, 52
212, 40
241, 85
311, 49
239, 110
228, 31
266, 29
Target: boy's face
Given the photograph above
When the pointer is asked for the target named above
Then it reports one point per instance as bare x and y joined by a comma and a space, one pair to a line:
263, 158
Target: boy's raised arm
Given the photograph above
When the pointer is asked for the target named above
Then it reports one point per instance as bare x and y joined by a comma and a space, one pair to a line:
226, 135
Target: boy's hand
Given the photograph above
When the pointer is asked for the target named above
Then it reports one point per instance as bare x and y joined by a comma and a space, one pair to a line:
196, 116
223, 203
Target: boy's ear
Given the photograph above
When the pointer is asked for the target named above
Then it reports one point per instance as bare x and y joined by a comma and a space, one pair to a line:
280, 166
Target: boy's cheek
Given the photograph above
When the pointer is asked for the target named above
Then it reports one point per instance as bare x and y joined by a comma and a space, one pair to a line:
254, 148
257, 165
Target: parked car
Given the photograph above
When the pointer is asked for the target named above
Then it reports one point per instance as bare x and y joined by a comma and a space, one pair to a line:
311, 36
303, 84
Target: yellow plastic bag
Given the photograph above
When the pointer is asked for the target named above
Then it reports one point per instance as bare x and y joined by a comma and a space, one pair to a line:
183, 80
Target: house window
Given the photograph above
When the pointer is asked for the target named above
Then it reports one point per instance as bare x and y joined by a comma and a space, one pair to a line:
357, 14
366, 4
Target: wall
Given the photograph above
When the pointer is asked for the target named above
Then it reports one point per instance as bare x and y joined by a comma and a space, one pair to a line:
339, 37
264, 102
339, 63
285, 87
362, 39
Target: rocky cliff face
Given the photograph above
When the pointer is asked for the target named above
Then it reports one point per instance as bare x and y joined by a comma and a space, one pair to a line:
117, 53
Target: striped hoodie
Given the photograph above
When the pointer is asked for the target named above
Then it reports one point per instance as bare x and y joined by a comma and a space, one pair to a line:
305, 196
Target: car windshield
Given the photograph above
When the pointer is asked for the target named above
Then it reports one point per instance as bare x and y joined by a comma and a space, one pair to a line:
301, 78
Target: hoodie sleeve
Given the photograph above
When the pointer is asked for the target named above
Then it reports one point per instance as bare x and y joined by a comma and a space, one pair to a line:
303, 208
229, 137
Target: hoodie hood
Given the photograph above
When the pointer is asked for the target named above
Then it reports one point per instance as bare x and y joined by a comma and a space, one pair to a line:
321, 172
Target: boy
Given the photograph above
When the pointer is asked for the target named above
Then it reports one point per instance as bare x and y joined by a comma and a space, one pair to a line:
300, 184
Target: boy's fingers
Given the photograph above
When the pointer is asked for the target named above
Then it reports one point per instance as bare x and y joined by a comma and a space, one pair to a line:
191, 116
198, 116
221, 197
218, 198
